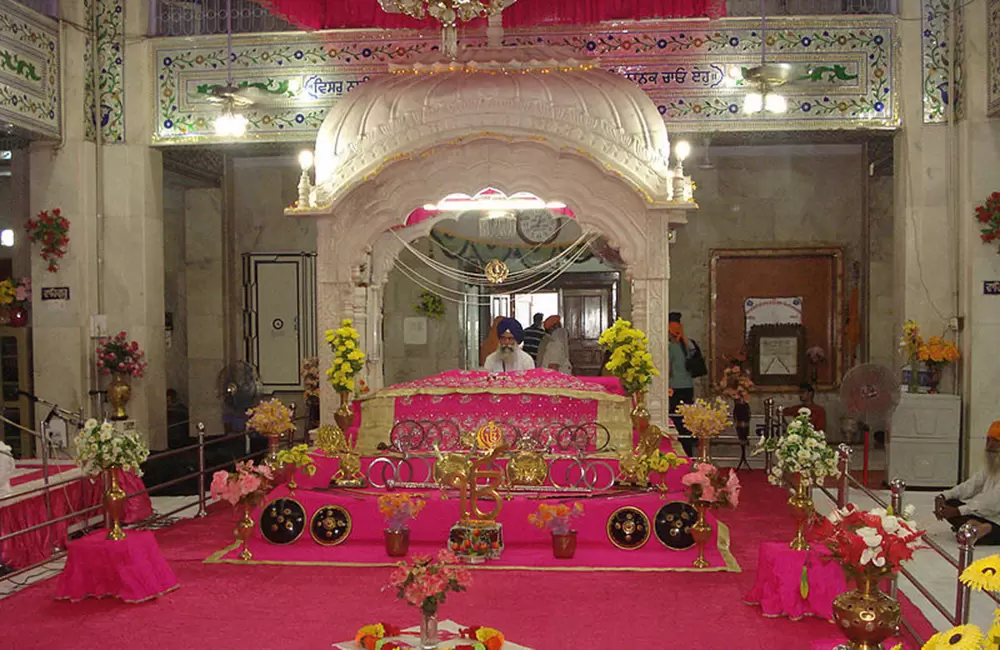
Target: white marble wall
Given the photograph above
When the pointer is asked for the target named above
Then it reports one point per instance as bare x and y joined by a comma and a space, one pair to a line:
773, 196
175, 283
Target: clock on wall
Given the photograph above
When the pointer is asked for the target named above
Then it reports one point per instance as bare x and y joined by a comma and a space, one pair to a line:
538, 226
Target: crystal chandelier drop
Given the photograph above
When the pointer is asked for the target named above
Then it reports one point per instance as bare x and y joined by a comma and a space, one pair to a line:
498, 224
447, 12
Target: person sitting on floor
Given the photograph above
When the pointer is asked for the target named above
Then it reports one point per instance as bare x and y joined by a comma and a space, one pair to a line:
510, 357
977, 500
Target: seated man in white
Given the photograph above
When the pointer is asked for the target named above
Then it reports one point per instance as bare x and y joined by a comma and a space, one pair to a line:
509, 357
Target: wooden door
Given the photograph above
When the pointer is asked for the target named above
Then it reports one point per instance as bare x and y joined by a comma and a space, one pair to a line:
586, 313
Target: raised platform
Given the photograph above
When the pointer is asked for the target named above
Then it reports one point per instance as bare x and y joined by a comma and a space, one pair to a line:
527, 548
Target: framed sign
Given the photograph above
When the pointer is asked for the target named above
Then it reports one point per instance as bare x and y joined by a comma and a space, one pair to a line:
777, 354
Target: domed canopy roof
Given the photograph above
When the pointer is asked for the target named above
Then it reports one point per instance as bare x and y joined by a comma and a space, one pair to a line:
528, 93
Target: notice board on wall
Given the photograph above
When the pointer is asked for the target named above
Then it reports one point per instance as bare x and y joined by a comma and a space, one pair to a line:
814, 276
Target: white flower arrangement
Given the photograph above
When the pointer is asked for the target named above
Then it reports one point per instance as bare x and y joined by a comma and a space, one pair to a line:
100, 447
802, 450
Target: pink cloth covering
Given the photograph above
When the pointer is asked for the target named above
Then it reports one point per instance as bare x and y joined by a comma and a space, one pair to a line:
35, 546
526, 546
779, 572
36, 474
612, 385
540, 381
132, 569
831, 643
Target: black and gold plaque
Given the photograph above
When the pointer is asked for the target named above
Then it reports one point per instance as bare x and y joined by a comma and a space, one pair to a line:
283, 521
672, 525
330, 525
628, 528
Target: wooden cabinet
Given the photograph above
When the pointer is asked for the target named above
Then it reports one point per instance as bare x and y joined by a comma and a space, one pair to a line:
15, 375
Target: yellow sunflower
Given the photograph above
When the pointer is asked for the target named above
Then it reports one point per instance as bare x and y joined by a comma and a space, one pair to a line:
963, 637
984, 574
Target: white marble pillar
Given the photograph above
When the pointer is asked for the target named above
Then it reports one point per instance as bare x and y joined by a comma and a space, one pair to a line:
203, 261
979, 160
650, 301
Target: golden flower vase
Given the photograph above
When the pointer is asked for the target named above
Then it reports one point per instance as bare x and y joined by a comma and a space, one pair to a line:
119, 393
701, 531
244, 530
640, 414
114, 504
344, 416
865, 615
397, 542
704, 449
801, 504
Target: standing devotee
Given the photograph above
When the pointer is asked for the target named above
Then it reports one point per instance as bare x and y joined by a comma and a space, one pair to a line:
554, 352
533, 336
491, 342
977, 500
681, 382
509, 357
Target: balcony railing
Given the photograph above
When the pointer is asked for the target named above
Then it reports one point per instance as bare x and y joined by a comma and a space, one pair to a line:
197, 17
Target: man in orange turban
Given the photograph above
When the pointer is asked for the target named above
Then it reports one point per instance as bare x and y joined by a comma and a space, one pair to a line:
977, 500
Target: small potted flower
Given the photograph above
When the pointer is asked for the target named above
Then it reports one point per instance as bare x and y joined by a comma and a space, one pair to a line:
937, 353
245, 488
425, 583
398, 508
557, 519
296, 458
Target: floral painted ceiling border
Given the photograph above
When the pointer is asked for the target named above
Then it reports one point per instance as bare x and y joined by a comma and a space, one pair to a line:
842, 73
110, 29
936, 51
29, 70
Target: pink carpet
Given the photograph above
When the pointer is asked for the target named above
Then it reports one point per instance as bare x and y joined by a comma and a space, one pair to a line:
526, 546
291, 607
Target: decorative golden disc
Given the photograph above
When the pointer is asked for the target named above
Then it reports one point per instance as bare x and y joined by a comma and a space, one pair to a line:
496, 271
489, 436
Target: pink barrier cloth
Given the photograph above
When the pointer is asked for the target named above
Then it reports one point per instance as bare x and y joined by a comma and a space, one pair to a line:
831, 643
777, 587
36, 474
610, 384
526, 546
132, 569
35, 546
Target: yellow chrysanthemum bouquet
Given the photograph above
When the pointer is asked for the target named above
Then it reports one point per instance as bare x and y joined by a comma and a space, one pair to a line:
706, 420
348, 359
983, 575
630, 359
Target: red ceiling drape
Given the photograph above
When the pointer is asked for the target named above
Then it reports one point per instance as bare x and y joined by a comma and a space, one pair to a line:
341, 14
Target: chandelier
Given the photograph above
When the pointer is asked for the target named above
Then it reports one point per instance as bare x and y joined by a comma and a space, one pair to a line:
498, 224
447, 12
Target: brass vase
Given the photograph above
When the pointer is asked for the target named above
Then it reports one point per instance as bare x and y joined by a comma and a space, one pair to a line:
701, 531
640, 414
397, 542
564, 545
704, 454
244, 529
801, 504
344, 416
866, 616
114, 504
119, 393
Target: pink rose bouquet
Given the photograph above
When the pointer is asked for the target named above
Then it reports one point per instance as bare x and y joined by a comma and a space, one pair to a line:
426, 582
119, 355
249, 483
712, 487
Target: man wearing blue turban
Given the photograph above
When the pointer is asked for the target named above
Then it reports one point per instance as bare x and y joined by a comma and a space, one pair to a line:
509, 357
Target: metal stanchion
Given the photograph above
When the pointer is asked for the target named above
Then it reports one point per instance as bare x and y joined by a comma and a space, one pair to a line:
201, 470
844, 465
897, 487
769, 426
966, 538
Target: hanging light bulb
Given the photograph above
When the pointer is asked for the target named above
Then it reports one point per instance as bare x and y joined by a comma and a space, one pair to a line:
753, 103
774, 103
230, 124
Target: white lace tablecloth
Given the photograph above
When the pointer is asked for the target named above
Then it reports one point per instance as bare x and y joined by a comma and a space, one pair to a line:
411, 635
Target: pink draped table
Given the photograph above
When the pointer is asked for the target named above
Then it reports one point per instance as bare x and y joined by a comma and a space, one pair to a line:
530, 401
21, 512
132, 570
778, 587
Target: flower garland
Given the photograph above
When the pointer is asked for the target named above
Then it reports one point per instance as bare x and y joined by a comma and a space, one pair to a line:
119, 355
377, 636
557, 518
101, 446
51, 231
630, 359
271, 418
802, 450
348, 359
706, 419
431, 305
988, 215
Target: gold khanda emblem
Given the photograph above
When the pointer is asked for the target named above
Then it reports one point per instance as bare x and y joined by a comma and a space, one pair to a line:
479, 484
496, 271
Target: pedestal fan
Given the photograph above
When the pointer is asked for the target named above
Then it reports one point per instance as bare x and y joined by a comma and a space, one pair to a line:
870, 393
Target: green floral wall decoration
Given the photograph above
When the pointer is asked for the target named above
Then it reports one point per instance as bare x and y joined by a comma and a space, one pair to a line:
430, 305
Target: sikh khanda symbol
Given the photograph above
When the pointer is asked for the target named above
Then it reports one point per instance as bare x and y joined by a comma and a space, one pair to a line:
479, 484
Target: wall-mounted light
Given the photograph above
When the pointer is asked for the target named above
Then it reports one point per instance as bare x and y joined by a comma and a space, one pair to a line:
7, 238
305, 186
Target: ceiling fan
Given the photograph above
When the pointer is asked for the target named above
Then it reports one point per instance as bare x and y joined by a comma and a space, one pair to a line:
766, 78
231, 97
